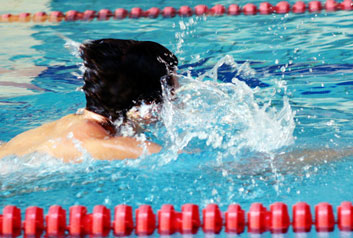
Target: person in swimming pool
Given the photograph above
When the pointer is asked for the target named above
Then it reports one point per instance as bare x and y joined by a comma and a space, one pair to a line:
119, 76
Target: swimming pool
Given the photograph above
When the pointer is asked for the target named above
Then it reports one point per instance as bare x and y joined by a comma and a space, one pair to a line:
291, 95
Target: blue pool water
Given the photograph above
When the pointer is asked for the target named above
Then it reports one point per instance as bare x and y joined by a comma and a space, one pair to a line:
264, 112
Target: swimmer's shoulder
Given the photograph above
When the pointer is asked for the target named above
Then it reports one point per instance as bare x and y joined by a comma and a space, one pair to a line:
93, 137
33, 137
28, 141
119, 147
82, 127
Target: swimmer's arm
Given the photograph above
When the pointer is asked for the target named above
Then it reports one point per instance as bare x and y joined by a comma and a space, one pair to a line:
118, 148
290, 162
310, 156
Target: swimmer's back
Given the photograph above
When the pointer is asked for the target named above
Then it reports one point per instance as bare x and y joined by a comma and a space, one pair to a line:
72, 135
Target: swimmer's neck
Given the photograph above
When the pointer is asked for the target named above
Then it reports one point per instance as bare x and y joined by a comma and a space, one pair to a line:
87, 114
105, 122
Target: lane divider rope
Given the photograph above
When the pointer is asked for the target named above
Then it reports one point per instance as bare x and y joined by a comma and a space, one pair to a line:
282, 7
168, 221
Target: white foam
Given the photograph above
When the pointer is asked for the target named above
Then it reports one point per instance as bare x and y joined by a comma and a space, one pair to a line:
224, 116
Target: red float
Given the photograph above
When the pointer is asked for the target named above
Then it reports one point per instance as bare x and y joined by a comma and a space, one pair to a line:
235, 219
331, 5
201, 10
190, 219
169, 12
185, 11
218, 10
282, 7
88, 15
104, 14
347, 5
299, 7
11, 221
324, 219
40, 17
78, 220
72, 15
345, 216
34, 222
265, 8
100, 221
234, 9
167, 220
257, 218
302, 218
315, 6
136, 12
120, 13
249, 9
279, 218
56, 221
6, 18
24, 17
123, 223
145, 220
56, 16
212, 219
152, 12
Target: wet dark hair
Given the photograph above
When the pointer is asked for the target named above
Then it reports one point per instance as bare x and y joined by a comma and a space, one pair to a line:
120, 74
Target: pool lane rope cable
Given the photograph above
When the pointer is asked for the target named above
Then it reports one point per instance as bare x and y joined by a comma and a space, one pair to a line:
282, 7
168, 221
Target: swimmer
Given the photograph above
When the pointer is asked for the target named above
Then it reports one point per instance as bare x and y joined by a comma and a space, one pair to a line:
119, 76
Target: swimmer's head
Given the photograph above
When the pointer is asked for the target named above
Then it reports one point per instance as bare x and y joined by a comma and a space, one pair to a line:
121, 74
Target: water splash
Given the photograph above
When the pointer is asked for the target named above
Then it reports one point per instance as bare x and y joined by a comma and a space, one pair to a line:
223, 117
187, 29
71, 45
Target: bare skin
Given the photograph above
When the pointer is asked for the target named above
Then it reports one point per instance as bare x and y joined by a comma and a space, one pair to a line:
67, 137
